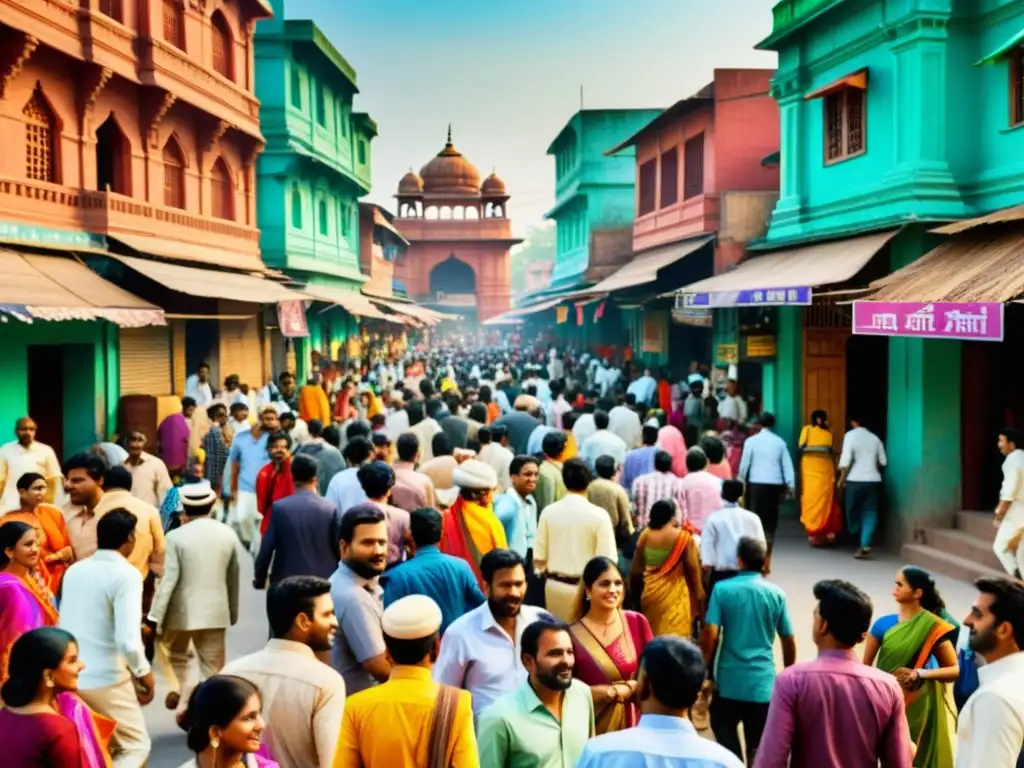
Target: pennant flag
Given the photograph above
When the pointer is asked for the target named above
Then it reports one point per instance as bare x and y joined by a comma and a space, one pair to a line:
579, 314
561, 314
599, 312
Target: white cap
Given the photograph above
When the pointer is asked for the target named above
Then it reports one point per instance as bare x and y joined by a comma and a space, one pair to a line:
475, 475
413, 617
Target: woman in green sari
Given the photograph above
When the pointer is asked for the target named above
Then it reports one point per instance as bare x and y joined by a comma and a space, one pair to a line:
914, 646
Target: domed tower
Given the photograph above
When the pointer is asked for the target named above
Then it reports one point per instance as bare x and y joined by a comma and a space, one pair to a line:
460, 237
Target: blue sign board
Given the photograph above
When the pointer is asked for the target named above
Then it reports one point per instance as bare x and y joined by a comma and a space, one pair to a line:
43, 237
760, 297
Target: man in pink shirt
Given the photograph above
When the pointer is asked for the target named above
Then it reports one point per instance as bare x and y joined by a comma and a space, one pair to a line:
702, 491
836, 710
659, 485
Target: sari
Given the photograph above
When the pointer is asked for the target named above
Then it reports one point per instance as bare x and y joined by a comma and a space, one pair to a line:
618, 662
25, 606
666, 601
470, 531
671, 440
929, 708
53, 537
819, 508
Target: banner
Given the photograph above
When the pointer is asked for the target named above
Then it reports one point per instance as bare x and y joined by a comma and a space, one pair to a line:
599, 312
969, 321
291, 319
579, 314
561, 314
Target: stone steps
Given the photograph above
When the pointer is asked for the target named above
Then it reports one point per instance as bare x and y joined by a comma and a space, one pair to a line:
964, 552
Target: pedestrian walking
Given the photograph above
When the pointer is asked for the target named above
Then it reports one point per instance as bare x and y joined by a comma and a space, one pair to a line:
860, 474
1009, 518
767, 470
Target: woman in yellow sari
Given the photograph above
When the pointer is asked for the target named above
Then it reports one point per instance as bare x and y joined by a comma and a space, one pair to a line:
666, 573
48, 521
819, 512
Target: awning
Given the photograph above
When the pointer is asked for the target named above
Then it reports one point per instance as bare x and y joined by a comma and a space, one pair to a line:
506, 318
212, 283
352, 302
1003, 216
807, 267
380, 220
644, 268
999, 53
970, 268
858, 80
170, 249
404, 313
57, 288
415, 311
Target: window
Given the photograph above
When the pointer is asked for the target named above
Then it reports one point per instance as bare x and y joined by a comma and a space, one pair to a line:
174, 23
296, 207
693, 168
112, 9
1017, 85
844, 124
222, 193
321, 215
345, 213
670, 177
296, 87
113, 158
321, 106
362, 152
343, 119
223, 47
174, 175
40, 132
648, 187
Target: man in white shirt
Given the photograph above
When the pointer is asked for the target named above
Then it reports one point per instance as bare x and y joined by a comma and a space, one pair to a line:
345, 491
22, 456
860, 468
481, 650
990, 729
1010, 511
733, 407
101, 605
303, 698
644, 389
602, 443
624, 421
197, 386
722, 533
494, 451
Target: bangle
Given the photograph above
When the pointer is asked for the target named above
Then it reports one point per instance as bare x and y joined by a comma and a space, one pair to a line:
613, 693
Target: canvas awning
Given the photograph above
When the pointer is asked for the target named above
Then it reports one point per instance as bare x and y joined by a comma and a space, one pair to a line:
171, 249
858, 80
968, 268
403, 314
212, 283
380, 220
506, 318
59, 288
810, 266
352, 302
1002, 51
1002, 216
415, 311
644, 267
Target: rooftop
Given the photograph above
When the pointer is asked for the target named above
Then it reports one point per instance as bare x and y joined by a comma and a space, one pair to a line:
789, 15
306, 31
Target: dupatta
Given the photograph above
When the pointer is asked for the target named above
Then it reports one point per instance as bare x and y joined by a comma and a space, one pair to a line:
929, 709
596, 666
462, 520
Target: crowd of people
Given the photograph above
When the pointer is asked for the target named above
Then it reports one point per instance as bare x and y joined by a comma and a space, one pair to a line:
475, 557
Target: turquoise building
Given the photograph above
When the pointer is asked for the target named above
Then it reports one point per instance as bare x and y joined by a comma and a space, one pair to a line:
314, 169
896, 116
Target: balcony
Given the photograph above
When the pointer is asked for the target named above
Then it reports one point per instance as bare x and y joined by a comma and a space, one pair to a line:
440, 230
676, 222
171, 232
164, 66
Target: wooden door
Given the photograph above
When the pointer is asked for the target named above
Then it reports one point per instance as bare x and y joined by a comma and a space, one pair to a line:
825, 377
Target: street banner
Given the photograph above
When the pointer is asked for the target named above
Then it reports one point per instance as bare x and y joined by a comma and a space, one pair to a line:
969, 321
291, 319
794, 296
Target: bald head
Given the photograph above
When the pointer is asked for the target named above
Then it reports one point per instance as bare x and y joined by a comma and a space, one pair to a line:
25, 430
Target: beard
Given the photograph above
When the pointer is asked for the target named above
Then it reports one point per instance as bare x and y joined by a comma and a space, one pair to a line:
982, 642
558, 678
366, 569
503, 609
321, 643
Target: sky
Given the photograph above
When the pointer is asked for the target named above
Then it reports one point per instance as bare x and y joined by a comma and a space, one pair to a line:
507, 75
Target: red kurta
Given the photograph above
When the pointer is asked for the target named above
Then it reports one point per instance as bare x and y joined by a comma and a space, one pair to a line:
272, 485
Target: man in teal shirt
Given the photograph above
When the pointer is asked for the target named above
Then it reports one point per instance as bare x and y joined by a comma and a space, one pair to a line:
745, 614
546, 722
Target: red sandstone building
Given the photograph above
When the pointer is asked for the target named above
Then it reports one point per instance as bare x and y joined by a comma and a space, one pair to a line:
459, 237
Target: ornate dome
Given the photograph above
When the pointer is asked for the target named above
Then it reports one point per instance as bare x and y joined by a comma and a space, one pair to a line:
449, 173
494, 186
411, 184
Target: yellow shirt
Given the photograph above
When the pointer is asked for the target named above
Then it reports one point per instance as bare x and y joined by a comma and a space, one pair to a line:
150, 548
402, 709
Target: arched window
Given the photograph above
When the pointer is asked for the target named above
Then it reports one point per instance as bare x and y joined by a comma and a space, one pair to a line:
112, 9
222, 192
321, 215
174, 23
113, 158
296, 207
174, 175
40, 135
223, 46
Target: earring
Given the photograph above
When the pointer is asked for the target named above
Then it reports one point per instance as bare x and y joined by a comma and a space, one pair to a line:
215, 742
49, 682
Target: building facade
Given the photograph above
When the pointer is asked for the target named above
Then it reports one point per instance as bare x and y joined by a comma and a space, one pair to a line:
131, 130
315, 168
460, 237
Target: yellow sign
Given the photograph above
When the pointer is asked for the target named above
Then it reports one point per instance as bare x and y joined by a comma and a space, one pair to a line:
760, 346
727, 354
561, 314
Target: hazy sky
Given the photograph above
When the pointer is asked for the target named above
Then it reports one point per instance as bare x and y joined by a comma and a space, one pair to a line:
507, 75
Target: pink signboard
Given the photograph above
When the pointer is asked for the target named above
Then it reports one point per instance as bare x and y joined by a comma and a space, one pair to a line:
970, 321
291, 319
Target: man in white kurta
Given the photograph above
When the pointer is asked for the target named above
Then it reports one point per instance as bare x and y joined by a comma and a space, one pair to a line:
570, 533
24, 455
1010, 512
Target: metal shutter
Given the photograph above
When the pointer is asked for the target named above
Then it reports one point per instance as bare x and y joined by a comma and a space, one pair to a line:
241, 351
145, 361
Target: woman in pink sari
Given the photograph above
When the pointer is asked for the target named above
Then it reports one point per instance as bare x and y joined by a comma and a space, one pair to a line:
26, 604
608, 642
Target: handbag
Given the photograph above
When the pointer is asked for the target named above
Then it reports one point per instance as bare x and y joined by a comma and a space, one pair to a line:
442, 721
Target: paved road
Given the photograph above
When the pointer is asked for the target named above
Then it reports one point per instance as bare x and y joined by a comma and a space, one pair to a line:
797, 567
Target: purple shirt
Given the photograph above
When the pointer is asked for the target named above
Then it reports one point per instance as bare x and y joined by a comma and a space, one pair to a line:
639, 461
835, 710
173, 439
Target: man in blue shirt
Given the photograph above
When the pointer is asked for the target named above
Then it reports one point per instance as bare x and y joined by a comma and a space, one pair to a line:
767, 470
672, 674
248, 455
745, 614
448, 580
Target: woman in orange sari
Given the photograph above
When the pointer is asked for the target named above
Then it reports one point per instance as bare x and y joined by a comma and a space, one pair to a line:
819, 512
608, 642
26, 603
51, 532
666, 573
